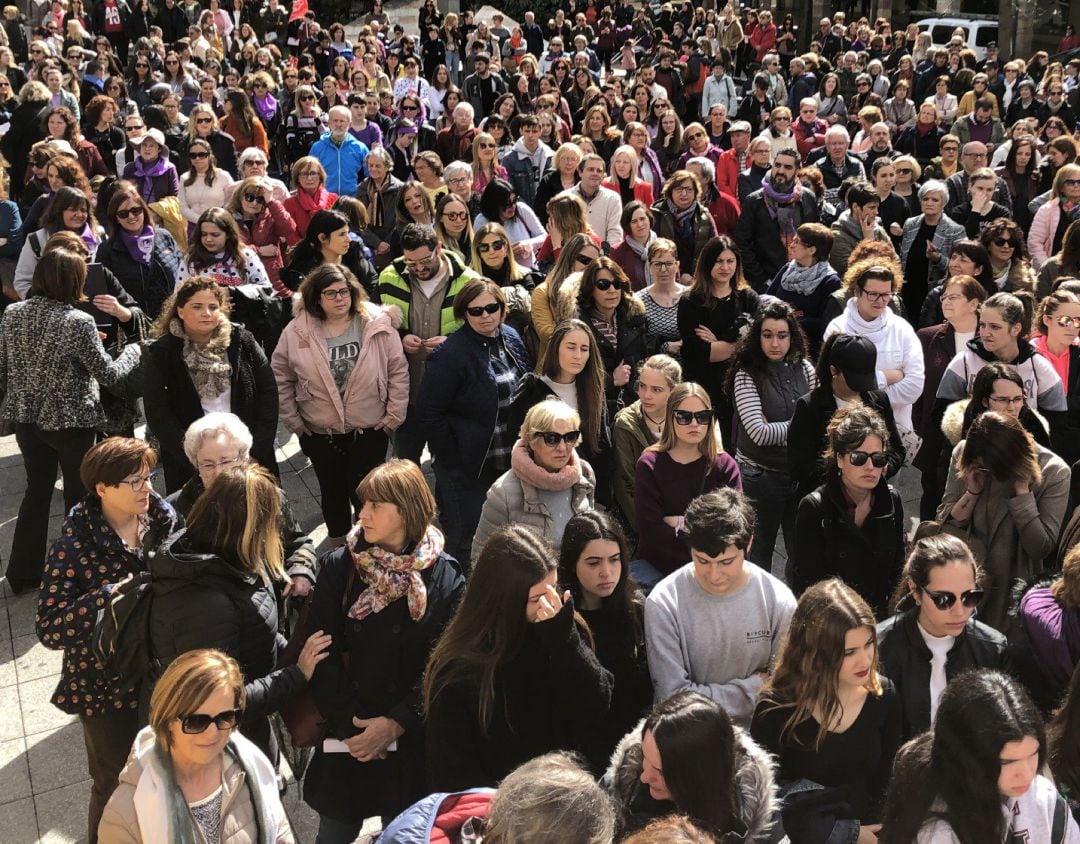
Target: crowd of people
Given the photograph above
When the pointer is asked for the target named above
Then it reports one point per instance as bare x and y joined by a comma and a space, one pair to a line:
666, 297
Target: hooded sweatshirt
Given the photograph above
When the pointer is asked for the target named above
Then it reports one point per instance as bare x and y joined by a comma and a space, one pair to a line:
898, 347
1043, 390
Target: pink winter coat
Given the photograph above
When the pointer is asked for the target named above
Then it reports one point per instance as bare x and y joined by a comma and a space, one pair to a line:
376, 394
1041, 235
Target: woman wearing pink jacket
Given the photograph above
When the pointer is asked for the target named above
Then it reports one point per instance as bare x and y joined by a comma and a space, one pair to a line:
1052, 219
343, 386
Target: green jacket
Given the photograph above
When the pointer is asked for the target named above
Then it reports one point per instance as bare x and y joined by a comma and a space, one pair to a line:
630, 437
395, 288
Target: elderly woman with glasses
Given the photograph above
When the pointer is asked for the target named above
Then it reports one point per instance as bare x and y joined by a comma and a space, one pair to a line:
106, 538
1051, 220
547, 482
681, 218
192, 755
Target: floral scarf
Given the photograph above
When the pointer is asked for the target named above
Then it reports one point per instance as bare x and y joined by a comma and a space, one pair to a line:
208, 365
392, 576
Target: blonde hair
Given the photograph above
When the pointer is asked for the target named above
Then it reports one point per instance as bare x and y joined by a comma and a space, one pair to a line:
710, 444
567, 212
187, 683
625, 149
667, 366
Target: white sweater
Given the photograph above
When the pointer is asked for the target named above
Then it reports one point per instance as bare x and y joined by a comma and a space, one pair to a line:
198, 196
898, 347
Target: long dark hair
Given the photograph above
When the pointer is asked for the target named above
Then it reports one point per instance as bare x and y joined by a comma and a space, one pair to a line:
701, 289
750, 357
310, 248
1064, 749
621, 609
495, 198
589, 383
199, 258
489, 627
958, 762
980, 256
697, 750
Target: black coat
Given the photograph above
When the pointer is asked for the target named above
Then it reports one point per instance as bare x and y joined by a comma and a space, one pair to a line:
387, 652
204, 601
868, 558
172, 403
547, 697
758, 236
149, 285
904, 658
25, 131
807, 438
224, 148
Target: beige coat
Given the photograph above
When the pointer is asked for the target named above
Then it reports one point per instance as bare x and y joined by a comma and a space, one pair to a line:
138, 811
377, 392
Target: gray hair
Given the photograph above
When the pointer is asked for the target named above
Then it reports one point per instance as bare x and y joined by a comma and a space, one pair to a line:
465, 107
708, 169
837, 131
934, 186
251, 153
453, 169
213, 425
385, 157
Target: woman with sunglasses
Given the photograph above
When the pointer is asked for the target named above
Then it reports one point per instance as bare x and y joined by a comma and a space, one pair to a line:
1009, 493
106, 538
547, 482
852, 526
218, 584
1009, 262
465, 404
687, 462
493, 258
453, 226
499, 203
203, 125
264, 224
485, 163
205, 185
829, 717
303, 126
1058, 318
1047, 227
933, 635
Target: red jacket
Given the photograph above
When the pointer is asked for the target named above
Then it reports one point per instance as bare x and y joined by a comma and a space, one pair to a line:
809, 136
727, 174
642, 190
725, 213
273, 226
301, 216
763, 39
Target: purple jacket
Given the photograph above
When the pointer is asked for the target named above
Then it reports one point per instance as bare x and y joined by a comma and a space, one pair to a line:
1053, 632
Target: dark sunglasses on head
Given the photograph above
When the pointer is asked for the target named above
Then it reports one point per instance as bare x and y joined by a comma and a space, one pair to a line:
255, 198
199, 723
126, 213
686, 417
879, 459
608, 283
945, 600
480, 310
553, 439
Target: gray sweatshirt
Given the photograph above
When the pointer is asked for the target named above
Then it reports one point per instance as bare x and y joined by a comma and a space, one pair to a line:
712, 644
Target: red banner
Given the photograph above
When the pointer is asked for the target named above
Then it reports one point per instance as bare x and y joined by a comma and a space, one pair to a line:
299, 9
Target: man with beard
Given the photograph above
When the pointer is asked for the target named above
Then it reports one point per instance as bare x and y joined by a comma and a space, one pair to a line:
422, 284
770, 218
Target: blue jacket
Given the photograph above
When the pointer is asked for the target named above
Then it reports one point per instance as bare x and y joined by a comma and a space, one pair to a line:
459, 401
345, 165
414, 825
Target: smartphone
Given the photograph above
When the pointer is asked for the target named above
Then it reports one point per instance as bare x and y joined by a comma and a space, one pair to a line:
96, 285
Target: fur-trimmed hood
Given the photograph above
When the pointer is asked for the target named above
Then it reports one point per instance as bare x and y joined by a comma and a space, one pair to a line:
755, 800
952, 423
568, 296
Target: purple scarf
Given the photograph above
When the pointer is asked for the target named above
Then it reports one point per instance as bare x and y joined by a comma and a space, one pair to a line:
139, 246
266, 107
90, 239
147, 172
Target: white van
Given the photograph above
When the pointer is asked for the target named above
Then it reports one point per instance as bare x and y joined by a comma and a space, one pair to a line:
980, 31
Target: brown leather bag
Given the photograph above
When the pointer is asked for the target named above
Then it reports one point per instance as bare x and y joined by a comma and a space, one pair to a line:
302, 718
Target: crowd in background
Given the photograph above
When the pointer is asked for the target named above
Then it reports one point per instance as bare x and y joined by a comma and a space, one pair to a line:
663, 297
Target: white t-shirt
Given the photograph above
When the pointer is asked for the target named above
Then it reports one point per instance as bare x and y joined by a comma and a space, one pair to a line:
566, 392
939, 649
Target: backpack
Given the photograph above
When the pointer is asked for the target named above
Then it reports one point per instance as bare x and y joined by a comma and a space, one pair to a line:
120, 641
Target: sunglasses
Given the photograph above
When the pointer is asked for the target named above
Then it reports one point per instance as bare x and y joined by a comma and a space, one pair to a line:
488, 146
129, 213
584, 260
608, 283
497, 246
133, 128
203, 120
687, 417
1072, 183
553, 439
944, 600
879, 459
199, 723
480, 310
307, 98
143, 66
255, 198
1004, 241
1067, 321
405, 108
198, 156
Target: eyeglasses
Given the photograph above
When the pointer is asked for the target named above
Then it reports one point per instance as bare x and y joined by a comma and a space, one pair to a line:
37, 51
198, 156
129, 213
199, 723
480, 310
310, 174
944, 600
975, 155
878, 297
1007, 400
140, 482
456, 216
338, 293
553, 439
688, 417
496, 246
1067, 321
210, 465
255, 198
1057, 93
423, 263
663, 266
608, 283
863, 85
1072, 183
879, 459
953, 297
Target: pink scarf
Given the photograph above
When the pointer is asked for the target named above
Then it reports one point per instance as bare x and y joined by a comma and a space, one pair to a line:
528, 471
